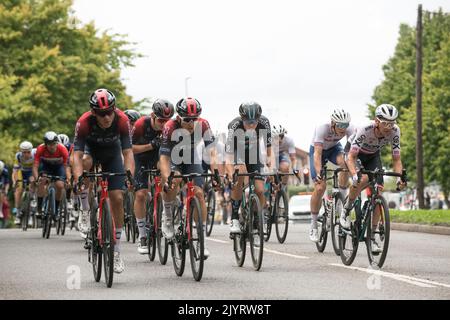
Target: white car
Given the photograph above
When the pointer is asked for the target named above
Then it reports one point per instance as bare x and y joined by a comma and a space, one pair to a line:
300, 207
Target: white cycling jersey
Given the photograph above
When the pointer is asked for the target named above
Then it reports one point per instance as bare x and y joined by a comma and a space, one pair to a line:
365, 141
325, 136
286, 145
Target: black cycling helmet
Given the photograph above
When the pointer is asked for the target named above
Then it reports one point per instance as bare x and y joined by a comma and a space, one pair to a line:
102, 99
189, 108
250, 111
133, 115
50, 137
163, 109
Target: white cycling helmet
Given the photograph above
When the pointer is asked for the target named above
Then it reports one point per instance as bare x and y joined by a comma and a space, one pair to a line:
279, 131
386, 112
340, 116
64, 139
2, 166
50, 136
26, 146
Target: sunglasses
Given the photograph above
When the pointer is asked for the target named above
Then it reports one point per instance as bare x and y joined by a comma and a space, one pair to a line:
26, 152
388, 124
104, 113
189, 120
250, 122
161, 120
51, 144
342, 125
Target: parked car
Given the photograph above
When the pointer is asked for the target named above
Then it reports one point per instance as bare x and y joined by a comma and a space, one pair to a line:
299, 207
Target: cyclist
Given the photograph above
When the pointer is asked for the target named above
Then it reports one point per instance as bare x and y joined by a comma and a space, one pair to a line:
4, 187
22, 170
325, 146
103, 136
146, 142
65, 141
50, 158
133, 116
181, 148
365, 145
245, 155
284, 148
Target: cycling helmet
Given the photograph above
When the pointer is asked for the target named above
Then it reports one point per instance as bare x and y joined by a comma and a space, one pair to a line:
2, 166
133, 115
50, 136
163, 109
279, 131
340, 116
102, 99
386, 112
250, 111
25, 146
189, 108
63, 139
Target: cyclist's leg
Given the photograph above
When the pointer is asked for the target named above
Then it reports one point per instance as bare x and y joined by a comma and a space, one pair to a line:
337, 158
18, 194
41, 190
169, 197
59, 185
376, 163
236, 199
319, 188
284, 163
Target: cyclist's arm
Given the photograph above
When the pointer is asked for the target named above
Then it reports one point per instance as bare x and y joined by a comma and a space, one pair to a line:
128, 160
164, 167
293, 158
397, 164
213, 159
318, 149
141, 148
77, 164
351, 163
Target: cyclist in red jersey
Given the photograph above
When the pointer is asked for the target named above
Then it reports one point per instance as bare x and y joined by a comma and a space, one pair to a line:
181, 152
103, 136
50, 158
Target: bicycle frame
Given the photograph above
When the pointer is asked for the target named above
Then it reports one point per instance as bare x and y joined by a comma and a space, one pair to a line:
104, 197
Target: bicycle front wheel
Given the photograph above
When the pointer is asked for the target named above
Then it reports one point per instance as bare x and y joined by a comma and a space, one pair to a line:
256, 231
64, 214
95, 251
335, 214
349, 239
178, 243
151, 236
281, 215
322, 222
108, 243
196, 239
211, 210
378, 233
163, 246
25, 210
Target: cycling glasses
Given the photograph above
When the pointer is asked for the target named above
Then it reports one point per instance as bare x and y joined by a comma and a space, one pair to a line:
342, 125
161, 120
189, 119
104, 113
388, 124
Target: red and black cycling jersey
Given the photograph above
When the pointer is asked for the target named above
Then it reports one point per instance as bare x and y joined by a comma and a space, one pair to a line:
44, 156
202, 132
88, 131
142, 134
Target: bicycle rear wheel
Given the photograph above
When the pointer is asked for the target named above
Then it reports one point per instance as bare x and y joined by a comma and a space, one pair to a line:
108, 243
268, 213
50, 213
151, 236
64, 214
256, 231
349, 239
281, 215
163, 246
211, 210
132, 218
178, 242
380, 234
335, 214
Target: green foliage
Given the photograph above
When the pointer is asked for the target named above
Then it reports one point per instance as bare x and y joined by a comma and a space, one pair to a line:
432, 217
398, 88
49, 64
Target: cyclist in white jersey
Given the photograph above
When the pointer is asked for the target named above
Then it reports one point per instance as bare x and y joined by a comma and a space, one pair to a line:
284, 149
365, 145
325, 147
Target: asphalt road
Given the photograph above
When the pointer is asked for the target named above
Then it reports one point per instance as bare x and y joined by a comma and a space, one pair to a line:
417, 267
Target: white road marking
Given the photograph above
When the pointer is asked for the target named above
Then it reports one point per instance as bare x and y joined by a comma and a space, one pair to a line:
266, 250
411, 280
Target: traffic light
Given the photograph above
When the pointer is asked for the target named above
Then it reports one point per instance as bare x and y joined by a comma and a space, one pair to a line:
306, 176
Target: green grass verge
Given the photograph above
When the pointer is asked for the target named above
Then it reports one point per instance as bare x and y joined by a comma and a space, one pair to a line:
430, 217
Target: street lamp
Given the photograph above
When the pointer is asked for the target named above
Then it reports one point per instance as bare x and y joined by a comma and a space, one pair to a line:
186, 85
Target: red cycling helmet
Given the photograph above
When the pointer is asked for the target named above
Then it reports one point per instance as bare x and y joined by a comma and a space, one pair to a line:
102, 99
189, 108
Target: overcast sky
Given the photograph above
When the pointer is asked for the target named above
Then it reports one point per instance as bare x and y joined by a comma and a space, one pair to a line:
298, 59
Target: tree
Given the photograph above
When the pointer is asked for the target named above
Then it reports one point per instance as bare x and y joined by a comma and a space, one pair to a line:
49, 64
398, 88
